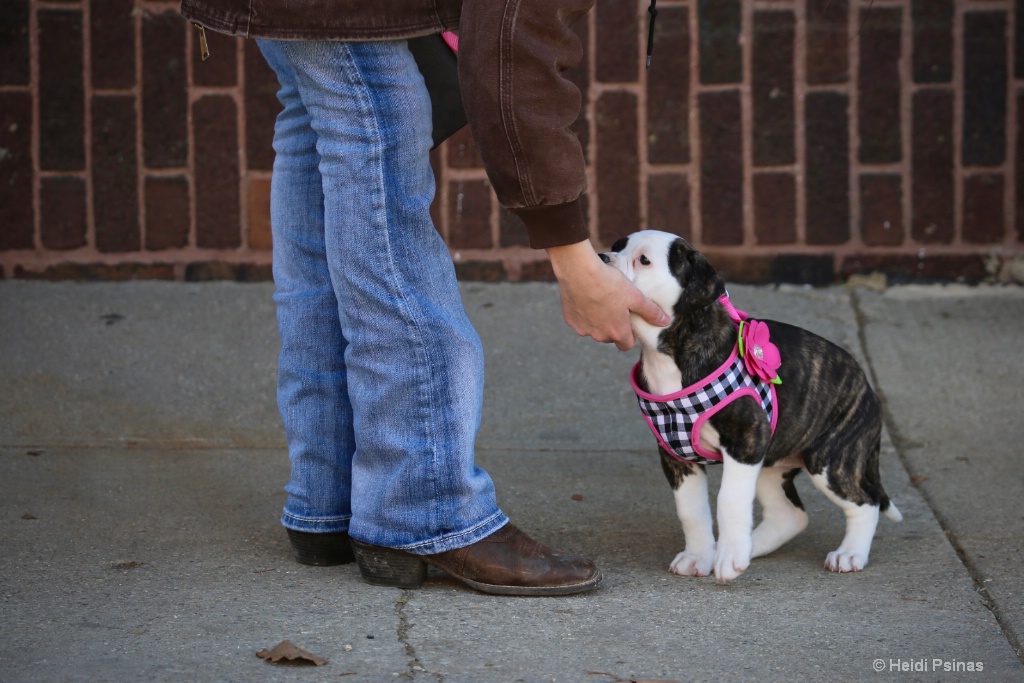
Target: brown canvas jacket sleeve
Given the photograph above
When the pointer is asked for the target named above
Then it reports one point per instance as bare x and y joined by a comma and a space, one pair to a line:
512, 59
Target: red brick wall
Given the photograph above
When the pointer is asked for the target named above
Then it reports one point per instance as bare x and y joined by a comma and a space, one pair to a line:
792, 140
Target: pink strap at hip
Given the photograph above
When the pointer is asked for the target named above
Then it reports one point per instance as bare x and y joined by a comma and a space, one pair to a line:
452, 40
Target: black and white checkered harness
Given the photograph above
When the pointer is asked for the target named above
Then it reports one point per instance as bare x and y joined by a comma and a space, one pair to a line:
676, 419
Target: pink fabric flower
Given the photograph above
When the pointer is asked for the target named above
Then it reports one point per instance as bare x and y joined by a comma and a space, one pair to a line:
759, 355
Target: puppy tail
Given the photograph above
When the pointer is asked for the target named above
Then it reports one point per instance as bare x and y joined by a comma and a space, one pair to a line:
892, 512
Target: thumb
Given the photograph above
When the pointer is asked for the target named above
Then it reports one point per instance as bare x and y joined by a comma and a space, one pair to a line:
651, 312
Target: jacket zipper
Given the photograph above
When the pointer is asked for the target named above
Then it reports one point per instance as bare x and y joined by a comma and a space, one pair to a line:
204, 48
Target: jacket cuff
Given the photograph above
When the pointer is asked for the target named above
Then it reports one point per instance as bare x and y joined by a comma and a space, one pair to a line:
554, 226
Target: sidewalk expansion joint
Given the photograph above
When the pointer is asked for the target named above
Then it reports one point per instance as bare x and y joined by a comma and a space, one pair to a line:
900, 443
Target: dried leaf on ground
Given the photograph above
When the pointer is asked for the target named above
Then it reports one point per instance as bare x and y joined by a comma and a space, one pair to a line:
616, 679
287, 652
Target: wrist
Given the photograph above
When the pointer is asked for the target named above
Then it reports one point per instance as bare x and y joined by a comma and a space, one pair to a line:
569, 258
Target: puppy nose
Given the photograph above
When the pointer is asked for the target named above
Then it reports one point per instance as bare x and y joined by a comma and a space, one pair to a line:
605, 258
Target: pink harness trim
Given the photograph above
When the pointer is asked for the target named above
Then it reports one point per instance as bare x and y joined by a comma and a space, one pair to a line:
681, 415
452, 40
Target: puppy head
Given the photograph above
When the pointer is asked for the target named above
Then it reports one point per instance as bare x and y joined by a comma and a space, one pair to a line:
667, 270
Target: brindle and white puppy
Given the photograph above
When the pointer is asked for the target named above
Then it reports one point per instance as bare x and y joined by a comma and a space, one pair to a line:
829, 420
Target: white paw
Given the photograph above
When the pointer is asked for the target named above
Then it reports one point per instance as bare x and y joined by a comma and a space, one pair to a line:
692, 564
731, 560
844, 562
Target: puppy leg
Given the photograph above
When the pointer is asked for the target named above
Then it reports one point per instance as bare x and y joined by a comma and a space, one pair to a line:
694, 512
861, 520
783, 515
735, 518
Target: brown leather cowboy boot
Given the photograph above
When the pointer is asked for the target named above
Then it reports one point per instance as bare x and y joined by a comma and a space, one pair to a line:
508, 562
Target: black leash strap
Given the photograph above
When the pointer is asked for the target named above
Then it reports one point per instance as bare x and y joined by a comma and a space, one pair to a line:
650, 30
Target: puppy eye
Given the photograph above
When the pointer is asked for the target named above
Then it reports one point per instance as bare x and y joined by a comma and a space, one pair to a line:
644, 261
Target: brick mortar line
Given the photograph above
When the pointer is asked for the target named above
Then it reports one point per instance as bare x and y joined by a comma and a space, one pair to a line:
242, 139
642, 113
140, 151
592, 153
800, 38
957, 82
464, 173
747, 37
906, 71
190, 161
1012, 131
693, 112
35, 143
854, 47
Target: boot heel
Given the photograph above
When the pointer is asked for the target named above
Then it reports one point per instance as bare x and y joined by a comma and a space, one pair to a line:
389, 567
321, 550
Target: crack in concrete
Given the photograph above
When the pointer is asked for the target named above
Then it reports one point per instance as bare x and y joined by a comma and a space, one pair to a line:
900, 444
402, 630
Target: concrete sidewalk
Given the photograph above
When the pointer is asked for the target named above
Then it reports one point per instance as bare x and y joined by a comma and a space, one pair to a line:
142, 460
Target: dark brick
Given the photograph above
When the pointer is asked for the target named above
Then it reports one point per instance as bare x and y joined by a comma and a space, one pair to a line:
932, 167
164, 90
115, 173
985, 88
61, 91
461, 150
216, 179
537, 271
775, 208
258, 201
14, 43
737, 267
209, 271
983, 209
435, 204
827, 41
16, 171
617, 34
878, 84
261, 108
100, 272
512, 230
772, 88
668, 203
112, 43
827, 168
881, 209
469, 214
721, 57
579, 75
805, 269
221, 69
901, 268
618, 165
668, 89
1018, 38
932, 22
815, 270
1018, 170
480, 271
167, 213
63, 213
721, 168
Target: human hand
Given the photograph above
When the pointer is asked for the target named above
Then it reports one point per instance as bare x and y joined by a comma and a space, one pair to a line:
597, 300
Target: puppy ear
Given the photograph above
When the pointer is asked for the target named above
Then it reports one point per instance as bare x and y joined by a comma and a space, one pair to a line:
701, 284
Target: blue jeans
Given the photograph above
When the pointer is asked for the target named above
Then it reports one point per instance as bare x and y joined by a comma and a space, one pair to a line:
380, 378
